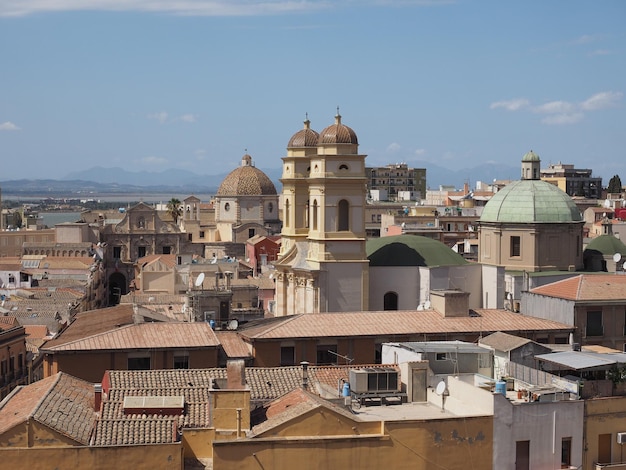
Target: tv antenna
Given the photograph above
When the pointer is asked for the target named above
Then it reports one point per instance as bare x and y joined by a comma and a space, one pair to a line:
346, 358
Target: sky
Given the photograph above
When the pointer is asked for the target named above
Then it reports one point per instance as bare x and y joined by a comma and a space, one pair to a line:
193, 84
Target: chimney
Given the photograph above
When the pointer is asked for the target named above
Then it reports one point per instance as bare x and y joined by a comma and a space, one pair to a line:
97, 388
235, 374
451, 303
305, 375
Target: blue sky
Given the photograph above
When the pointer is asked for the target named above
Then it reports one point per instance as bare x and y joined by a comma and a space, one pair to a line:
193, 84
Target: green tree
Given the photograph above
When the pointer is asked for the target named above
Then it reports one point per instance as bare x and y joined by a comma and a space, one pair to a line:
174, 209
615, 185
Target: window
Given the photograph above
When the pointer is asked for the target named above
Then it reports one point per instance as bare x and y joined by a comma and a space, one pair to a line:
201, 233
594, 323
117, 252
343, 212
326, 355
141, 251
139, 362
343, 166
167, 250
227, 207
250, 232
516, 247
440, 356
270, 207
314, 214
181, 360
287, 355
141, 222
566, 452
11, 279
390, 301
287, 213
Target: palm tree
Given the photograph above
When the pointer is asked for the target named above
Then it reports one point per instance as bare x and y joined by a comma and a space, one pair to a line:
174, 209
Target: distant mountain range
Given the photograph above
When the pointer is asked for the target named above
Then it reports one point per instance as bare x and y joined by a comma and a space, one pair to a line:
119, 181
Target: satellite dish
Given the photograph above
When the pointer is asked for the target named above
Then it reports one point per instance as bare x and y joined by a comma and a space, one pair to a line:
441, 388
199, 279
233, 324
427, 305
617, 257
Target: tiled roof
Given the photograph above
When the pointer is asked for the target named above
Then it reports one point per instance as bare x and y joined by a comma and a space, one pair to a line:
142, 336
60, 402
167, 260
9, 321
503, 341
586, 287
295, 403
233, 345
93, 322
394, 323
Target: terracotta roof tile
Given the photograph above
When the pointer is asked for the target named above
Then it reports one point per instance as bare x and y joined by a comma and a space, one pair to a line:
233, 345
143, 336
394, 323
61, 402
586, 287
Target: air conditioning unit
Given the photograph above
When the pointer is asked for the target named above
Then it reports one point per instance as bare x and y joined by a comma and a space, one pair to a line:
374, 380
621, 437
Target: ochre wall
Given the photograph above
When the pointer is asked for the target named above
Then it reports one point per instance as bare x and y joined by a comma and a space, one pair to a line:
163, 457
425, 445
603, 416
90, 366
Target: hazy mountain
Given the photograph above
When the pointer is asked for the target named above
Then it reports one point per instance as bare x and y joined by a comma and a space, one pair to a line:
118, 180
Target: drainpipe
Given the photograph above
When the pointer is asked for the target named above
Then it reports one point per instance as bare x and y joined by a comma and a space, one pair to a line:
238, 423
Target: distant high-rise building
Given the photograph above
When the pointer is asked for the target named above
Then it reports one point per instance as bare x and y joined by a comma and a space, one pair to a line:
573, 181
396, 178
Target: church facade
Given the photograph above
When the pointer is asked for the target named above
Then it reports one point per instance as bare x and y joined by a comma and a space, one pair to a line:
323, 266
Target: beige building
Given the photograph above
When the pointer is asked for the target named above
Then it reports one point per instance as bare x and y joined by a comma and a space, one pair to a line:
396, 181
246, 204
322, 265
531, 225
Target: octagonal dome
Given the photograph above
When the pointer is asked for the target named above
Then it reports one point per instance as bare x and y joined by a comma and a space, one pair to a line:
306, 137
531, 201
246, 180
338, 133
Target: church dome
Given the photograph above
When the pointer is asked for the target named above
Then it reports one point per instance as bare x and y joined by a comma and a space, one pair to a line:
411, 250
608, 245
306, 137
246, 180
531, 201
531, 157
338, 133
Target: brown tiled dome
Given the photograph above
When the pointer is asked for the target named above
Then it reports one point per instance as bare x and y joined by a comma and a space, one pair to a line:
306, 137
338, 134
246, 181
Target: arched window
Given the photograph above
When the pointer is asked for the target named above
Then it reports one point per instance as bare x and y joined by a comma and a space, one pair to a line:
390, 301
287, 213
343, 166
306, 215
343, 213
314, 214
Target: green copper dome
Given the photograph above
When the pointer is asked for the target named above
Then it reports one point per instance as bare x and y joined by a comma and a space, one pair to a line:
607, 245
531, 157
411, 250
531, 201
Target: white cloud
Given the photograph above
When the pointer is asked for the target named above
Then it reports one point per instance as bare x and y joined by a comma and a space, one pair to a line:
586, 39
9, 126
510, 105
152, 160
393, 147
563, 112
557, 119
160, 116
174, 7
187, 118
606, 99
192, 7
420, 151
554, 107
601, 52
